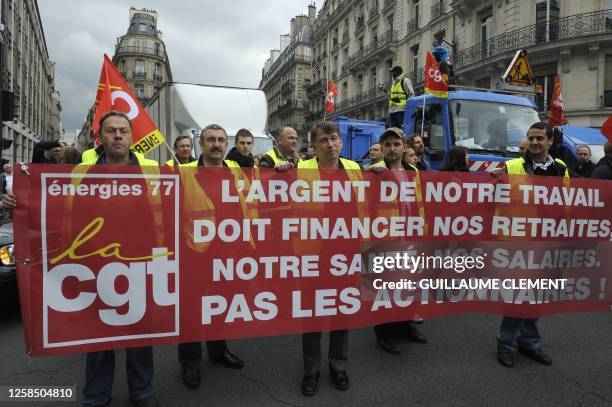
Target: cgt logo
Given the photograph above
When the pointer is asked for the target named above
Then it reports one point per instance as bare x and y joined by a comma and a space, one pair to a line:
135, 297
99, 294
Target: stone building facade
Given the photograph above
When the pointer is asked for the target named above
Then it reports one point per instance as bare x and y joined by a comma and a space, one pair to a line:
140, 55
286, 76
355, 42
27, 81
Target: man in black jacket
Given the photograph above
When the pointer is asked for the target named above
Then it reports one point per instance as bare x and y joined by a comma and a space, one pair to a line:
603, 170
584, 166
241, 152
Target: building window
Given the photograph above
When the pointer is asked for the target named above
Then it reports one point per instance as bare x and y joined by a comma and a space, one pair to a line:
486, 33
547, 82
373, 78
139, 90
345, 90
547, 20
415, 60
139, 66
142, 28
359, 85
608, 82
390, 23
158, 74
416, 14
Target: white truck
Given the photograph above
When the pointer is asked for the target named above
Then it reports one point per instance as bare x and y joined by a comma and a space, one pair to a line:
179, 108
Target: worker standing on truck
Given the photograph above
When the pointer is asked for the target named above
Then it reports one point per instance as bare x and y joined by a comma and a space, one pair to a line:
401, 88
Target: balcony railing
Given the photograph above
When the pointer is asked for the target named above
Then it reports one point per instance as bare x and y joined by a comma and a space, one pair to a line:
157, 52
315, 116
372, 95
437, 9
139, 76
388, 5
315, 87
579, 25
413, 25
417, 77
377, 44
284, 107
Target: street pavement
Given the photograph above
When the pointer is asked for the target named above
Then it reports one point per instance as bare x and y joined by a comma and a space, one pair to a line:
457, 367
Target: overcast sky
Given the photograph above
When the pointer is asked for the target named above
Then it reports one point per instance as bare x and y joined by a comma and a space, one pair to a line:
212, 42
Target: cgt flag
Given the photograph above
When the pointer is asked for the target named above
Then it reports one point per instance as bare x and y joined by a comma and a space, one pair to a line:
557, 117
330, 102
434, 82
115, 94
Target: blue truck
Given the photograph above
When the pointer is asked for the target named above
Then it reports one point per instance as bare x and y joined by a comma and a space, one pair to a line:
490, 125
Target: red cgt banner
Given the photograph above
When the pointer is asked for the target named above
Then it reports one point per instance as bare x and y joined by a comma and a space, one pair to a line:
123, 256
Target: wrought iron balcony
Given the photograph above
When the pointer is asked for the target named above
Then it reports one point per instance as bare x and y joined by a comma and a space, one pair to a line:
377, 45
315, 116
287, 86
388, 5
417, 77
437, 9
126, 49
139, 76
413, 25
343, 68
284, 107
579, 25
317, 86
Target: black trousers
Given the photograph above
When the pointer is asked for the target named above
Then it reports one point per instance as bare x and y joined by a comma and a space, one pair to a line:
338, 351
396, 119
190, 354
391, 329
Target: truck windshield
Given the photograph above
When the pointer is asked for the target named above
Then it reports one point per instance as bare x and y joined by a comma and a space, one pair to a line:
491, 126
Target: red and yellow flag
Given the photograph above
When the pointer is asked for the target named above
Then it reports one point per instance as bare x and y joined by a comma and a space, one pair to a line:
434, 81
115, 94
330, 101
557, 117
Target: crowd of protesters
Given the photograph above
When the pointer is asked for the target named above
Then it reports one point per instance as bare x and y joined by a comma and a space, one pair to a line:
394, 151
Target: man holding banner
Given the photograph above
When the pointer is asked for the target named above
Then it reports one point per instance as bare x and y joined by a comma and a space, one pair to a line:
213, 144
519, 333
115, 149
326, 140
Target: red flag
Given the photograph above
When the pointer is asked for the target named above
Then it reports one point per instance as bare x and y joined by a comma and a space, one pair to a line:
115, 94
606, 129
330, 102
434, 82
556, 106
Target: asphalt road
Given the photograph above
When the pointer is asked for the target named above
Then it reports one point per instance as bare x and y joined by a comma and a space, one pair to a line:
457, 367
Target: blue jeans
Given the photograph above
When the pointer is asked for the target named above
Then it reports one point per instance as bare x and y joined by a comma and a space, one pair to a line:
100, 370
517, 333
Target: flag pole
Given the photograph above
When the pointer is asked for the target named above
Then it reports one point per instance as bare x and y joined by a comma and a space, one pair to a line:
423, 116
171, 151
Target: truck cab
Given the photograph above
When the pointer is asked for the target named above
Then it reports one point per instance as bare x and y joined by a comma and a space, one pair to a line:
490, 125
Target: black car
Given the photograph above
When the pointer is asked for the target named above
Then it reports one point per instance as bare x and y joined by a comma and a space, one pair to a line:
8, 274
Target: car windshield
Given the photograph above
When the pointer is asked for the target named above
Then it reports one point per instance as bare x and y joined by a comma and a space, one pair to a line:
491, 126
